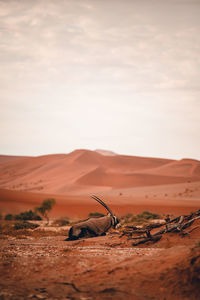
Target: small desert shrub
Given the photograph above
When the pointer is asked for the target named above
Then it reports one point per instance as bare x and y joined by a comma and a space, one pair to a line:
95, 214
7, 228
9, 217
139, 218
147, 215
127, 218
62, 221
26, 215
45, 208
25, 225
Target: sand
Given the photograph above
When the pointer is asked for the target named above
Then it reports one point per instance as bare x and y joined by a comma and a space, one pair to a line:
127, 183
107, 267
35, 265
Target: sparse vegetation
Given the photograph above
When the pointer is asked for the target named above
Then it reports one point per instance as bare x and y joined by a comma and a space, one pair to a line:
126, 218
9, 226
26, 215
9, 217
25, 225
95, 215
45, 208
177, 225
20, 230
145, 216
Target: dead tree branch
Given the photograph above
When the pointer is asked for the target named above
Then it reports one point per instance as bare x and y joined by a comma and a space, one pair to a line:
177, 225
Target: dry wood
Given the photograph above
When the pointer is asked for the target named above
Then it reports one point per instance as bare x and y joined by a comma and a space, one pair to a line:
177, 225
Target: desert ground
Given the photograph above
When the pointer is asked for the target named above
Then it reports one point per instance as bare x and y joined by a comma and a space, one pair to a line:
40, 264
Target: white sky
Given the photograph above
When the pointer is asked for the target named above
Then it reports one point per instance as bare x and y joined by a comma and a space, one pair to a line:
120, 75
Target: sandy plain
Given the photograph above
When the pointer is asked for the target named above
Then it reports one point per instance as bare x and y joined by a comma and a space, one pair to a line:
44, 266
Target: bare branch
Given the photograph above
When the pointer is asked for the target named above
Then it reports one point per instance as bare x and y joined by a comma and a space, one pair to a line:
177, 225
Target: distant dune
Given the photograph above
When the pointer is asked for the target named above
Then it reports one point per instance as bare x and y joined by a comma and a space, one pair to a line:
7, 158
106, 152
76, 171
129, 182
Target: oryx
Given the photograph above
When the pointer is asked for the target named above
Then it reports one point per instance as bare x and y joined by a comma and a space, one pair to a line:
93, 226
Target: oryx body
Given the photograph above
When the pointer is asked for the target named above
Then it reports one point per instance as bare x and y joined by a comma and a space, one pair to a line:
93, 226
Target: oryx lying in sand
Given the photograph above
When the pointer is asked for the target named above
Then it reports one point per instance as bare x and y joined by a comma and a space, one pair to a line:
93, 226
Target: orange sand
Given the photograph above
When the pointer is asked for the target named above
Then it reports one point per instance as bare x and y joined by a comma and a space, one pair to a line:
127, 183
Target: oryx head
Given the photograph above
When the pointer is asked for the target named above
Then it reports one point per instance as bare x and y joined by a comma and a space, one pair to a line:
114, 219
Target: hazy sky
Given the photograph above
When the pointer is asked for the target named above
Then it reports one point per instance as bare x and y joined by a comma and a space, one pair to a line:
121, 75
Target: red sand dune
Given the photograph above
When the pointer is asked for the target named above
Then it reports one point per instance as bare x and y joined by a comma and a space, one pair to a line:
81, 169
7, 158
128, 183
183, 167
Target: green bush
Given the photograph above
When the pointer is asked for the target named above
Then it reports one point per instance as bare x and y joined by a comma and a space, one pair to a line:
34, 215
28, 215
9, 217
147, 215
45, 208
128, 218
139, 218
25, 225
96, 214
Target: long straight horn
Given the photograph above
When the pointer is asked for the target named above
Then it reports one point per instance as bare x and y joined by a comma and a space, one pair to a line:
102, 203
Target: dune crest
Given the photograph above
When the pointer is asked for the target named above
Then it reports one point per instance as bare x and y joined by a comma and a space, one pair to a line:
106, 152
82, 169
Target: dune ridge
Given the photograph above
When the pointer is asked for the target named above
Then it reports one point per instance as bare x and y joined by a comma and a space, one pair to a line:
81, 169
